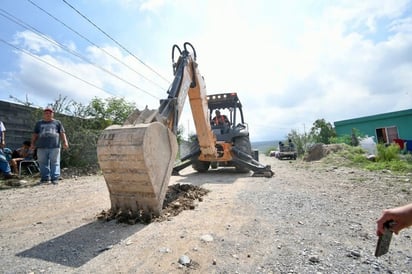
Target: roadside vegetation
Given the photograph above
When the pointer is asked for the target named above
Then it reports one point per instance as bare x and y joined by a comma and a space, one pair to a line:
83, 124
388, 157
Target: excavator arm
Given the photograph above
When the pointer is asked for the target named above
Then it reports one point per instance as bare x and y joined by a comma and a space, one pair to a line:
188, 82
137, 157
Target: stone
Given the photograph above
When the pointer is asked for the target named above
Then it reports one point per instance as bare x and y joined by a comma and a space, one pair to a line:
184, 260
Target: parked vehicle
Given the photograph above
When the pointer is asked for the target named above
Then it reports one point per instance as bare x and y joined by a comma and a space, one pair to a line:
287, 151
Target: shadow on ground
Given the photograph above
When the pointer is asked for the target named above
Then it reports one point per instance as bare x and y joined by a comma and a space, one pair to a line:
82, 244
213, 176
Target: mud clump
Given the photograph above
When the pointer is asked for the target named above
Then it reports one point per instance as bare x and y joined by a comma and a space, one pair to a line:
179, 197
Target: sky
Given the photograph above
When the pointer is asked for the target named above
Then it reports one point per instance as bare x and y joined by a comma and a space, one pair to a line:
291, 62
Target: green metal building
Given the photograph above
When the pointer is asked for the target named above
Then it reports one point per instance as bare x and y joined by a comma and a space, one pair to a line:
384, 127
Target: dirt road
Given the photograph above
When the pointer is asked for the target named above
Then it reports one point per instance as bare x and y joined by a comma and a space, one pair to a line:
308, 218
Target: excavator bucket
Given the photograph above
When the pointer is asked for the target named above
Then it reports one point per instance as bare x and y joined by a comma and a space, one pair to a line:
137, 161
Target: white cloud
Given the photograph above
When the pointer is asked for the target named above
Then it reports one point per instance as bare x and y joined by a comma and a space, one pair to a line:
34, 42
152, 5
335, 64
291, 62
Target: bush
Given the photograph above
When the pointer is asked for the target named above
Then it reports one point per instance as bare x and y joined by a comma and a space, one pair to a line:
345, 139
387, 153
388, 158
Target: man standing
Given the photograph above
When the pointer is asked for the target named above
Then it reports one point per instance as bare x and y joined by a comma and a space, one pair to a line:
47, 136
2, 135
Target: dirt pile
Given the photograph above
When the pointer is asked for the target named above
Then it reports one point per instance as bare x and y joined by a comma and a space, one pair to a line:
319, 151
179, 197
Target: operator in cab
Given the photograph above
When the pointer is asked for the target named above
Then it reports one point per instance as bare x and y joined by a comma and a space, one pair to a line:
220, 119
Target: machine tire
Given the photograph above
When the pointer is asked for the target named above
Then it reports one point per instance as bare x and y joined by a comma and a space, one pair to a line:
243, 144
199, 166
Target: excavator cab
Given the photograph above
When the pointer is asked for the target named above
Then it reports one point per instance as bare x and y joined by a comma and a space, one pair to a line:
232, 140
229, 106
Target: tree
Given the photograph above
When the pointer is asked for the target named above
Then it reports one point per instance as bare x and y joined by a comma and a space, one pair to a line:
322, 131
109, 111
301, 141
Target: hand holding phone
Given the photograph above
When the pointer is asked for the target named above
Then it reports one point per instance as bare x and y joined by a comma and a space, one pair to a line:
384, 240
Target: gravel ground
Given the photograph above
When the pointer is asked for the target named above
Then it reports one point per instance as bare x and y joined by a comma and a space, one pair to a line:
315, 217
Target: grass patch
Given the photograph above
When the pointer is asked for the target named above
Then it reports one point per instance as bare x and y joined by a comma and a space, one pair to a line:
388, 158
393, 165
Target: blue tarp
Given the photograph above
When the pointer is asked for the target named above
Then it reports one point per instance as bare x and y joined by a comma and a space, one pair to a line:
408, 145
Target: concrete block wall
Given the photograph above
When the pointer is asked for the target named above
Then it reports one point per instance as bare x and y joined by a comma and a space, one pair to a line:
19, 121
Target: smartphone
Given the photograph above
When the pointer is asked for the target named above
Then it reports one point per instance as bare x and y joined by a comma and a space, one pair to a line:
384, 240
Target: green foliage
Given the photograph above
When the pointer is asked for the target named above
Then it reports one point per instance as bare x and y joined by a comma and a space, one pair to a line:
344, 139
301, 141
388, 159
109, 111
387, 153
394, 165
352, 140
322, 131
353, 154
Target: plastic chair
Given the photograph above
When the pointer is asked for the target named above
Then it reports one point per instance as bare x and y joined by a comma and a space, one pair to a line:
30, 165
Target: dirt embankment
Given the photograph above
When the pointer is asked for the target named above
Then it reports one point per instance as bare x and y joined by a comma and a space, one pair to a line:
308, 218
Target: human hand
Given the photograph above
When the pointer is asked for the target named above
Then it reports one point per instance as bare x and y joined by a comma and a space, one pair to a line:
402, 216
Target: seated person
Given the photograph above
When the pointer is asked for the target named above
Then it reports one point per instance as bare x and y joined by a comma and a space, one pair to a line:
220, 119
20, 154
4, 166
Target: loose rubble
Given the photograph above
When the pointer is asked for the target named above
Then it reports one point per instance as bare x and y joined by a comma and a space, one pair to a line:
179, 197
311, 217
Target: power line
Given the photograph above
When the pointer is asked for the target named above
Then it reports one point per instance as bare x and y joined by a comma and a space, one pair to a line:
94, 44
52, 65
73, 52
117, 43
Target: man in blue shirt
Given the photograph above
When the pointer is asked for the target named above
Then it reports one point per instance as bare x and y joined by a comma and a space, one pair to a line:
47, 137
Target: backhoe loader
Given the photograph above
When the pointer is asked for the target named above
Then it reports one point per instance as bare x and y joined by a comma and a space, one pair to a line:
137, 158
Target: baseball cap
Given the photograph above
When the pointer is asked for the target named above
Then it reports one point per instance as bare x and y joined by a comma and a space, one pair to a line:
48, 109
